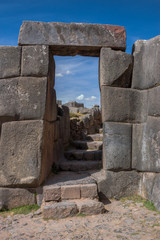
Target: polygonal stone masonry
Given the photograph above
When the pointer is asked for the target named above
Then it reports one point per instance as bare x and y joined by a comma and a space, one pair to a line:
117, 143
124, 105
35, 60
27, 98
26, 153
154, 102
115, 68
146, 70
10, 61
146, 145
15, 197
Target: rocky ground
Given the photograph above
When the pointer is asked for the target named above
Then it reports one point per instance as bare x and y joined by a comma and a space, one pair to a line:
124, 220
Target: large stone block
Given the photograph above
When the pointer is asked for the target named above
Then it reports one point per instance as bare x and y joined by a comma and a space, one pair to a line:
124, 105
10, 61
115, 68
26, 153
149, 187
36, 60
146, 146
73, 38
16, 197
154, 102
117, 138
9, 103
27, 98
146, 70
117, 184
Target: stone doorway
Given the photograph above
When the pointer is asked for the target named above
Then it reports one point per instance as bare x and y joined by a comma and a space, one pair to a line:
34, 110
28, 116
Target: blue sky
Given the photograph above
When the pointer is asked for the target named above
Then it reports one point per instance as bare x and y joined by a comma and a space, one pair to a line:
78, 76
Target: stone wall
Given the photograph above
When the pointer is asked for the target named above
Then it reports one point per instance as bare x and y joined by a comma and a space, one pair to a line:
89, 123
28, 115
131, 120
31, 131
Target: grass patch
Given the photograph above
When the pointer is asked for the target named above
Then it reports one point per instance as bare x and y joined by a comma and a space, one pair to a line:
149, 205
138, 199
156, 225
20, 210
75, 115
81, 215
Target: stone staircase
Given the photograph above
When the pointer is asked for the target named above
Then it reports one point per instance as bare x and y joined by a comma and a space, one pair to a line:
73, 191
89, 150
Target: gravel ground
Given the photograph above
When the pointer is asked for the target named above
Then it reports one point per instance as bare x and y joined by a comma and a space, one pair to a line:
124, 220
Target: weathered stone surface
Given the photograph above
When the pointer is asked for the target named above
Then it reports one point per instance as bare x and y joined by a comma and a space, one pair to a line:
16, 197
154, 102
89, 191
60, 210
27, 98
117, 184
9, 103
10, 61
146, 71
90, 207
115, 68
117, 142
146, 145
124, 105
73, 38
149, 187
77, 166
70, 192
52, 193
26, 146
35, 60
70, 178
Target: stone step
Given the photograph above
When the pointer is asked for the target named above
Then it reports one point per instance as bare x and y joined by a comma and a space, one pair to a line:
94, 145
68, 192
59, 210
72, 208
95, 137
101, 130
76, 166
90, 207
83, 154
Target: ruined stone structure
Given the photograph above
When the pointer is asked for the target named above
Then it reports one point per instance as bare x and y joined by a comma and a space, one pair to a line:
30, 130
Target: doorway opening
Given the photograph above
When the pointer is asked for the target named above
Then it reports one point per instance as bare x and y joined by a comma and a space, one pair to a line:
79, 112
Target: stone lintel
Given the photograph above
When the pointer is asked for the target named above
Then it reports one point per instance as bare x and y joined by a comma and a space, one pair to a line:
73, 38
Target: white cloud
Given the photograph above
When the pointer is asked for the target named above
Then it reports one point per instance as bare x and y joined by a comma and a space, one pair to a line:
68, 72
59, 75
91, 98
80, 97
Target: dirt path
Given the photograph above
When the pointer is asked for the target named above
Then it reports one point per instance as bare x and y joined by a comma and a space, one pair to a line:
123, 221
